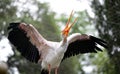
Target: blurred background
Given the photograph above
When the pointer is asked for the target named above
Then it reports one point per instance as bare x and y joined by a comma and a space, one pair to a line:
100, 18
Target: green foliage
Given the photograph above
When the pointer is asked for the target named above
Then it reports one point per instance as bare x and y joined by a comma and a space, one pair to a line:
69, 66
107, 23
7, 14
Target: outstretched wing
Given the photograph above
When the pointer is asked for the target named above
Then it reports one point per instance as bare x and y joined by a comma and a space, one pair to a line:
83, 44
27, 40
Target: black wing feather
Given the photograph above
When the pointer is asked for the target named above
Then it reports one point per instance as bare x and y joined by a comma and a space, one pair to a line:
99, 41
19, 39
85, 45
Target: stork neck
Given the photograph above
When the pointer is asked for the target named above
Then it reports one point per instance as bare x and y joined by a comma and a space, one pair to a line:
64, 41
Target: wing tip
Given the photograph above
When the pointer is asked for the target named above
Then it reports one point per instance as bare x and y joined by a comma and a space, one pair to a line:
13, 25
99, 41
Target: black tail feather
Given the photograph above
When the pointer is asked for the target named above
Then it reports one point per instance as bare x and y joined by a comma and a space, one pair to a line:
44, 71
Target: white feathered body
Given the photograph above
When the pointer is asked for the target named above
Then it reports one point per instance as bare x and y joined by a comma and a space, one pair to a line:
55, 54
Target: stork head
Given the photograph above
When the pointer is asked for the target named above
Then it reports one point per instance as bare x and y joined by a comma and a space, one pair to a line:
68, 26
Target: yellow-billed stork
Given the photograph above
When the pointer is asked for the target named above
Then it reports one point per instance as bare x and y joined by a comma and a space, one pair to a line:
35, 48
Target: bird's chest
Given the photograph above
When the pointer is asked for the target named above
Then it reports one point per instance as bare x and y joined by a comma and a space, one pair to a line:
54, 57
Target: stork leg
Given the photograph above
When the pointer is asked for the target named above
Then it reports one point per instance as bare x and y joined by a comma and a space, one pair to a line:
56, 70
49, 68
